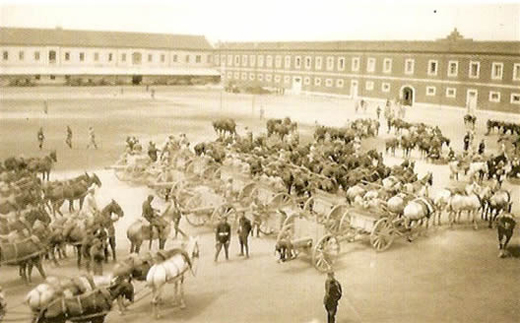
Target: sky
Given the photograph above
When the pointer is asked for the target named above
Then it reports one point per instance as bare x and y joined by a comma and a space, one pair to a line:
276, 20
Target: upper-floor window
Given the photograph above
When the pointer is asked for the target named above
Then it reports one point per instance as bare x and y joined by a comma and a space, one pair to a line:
163, 58
209, 59
96, 57
67, 56
474, 70
287, 64
430, 90
308, 62
187, 59
387, 65
409, 65
175, 58
330, 63
318, 63
355, 64
136, 58
497, 70
516, 72
110, 57
261, 61
52, 56
123, 57
494, 96
453, 68
36, 56
230, 60
252, 60
237, 60
5, 55
433, 66
198, 59
341, 64
298, 62
371, 64
217, 60
269, 61
244, 60
150, 57
21, 55
81, 57
278, 61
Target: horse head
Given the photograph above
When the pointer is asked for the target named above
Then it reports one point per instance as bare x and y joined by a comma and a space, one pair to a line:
54, 156
114, 207
94, 179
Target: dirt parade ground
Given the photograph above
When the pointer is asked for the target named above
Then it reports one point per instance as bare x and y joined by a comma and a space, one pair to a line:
445, 275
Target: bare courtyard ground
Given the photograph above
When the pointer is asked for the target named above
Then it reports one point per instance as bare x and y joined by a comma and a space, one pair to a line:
446, 275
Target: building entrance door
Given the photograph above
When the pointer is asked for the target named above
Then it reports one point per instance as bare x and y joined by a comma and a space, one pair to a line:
137, 79
297, 85
353, 89
471, 101
407, 96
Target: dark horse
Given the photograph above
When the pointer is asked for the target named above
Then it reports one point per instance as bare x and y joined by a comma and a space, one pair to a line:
71, 191
43, 165
108, 216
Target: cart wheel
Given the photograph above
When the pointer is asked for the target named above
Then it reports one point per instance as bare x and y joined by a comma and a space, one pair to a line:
280, 200
266, 226
195, 219
325, 252
217, 174
246, 191
189, 167
308, 207
226, 210
334, 218
382, 235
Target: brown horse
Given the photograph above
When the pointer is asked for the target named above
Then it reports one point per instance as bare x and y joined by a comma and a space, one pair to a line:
110, 214
22, 253
71, 191
43, 165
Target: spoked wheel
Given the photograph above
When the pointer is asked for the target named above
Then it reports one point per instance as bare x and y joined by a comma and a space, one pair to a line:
280, 200
308, 207
382, 235
195, 219
334, 218
224, 210
325, 253
267, 227
246, 191
286, 233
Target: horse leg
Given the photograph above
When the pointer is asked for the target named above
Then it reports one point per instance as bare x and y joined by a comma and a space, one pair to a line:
112, 241
71, 205
474, 217
39, 266
156, 297
78, 251
183, 304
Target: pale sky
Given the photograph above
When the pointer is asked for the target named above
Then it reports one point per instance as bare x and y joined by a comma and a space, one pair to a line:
246, 20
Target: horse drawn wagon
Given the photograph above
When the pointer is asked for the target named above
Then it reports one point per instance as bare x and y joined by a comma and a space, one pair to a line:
328, 209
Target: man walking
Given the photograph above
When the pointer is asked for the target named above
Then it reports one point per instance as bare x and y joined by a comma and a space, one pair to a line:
92, 138
244, 229
481, 147
68, 141
467, 140
223, 237
378, 112
41, 138
505, 226
333, 293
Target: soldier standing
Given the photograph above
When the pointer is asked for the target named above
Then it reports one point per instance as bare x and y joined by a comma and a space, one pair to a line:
223, 237
41, 138
244, 229
68, 141
3, 304
92, 138
333, 293
97, 256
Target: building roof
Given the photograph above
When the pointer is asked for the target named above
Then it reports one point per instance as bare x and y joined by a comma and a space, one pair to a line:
453, 43
103, 39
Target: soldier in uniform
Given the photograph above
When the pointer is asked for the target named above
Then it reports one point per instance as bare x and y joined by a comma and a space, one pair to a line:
92, 138
244, 229
223, 237
150, 214
505, 226
333, 293
41, 138
68, 141
96, 253
3, 304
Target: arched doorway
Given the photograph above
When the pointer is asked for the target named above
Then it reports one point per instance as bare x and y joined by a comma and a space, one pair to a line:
407, 95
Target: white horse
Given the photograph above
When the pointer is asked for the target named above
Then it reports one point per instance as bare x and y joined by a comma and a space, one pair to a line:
416, 211
479, 168
441, 199
470, 203
171, 269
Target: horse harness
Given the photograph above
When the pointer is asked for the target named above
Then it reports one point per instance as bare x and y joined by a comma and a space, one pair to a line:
425, 204
106, 297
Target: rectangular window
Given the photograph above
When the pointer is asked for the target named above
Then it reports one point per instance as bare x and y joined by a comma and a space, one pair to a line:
37, 77
371, 64
515, 98
430, 90
237, 60
260, 77
317, 81
287, 79
433, 67
209, 59
217, 60
252, 60
110, 57
497, 71
516, 72
474, 70
96, 57
318, 64
369, 85
287, 64
163, 58
298, 62
260, 61
409, 66
230, 60
198, 59
385, 87
251, 76
278, 61
328, 82
187, 59
236, 75
308, 62
277, 78
81, 57
244, 60
451, 92
269, 77
355, 64
387, 65
5, 55
330, 64
52, 77
307, 80
269, 61
36, 56
340, 83
494, 96
67, 56
21, 55
175, 58
341, 64
150, 57
453, 68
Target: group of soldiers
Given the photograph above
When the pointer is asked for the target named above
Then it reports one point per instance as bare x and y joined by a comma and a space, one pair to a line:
68, 140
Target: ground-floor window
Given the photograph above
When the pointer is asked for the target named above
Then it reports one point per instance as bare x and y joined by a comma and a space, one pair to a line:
229, 75
244, 76
287, 79
260, 77
340, 83
307, 80
251, 76
451, 92
385, 87
317, 81
52, 77
328, 82
277, 78
369, 85
430, 90
515, 98
494, 96
268, 77
236, 75
37, 77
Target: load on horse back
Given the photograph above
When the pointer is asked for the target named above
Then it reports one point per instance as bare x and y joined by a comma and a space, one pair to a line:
42, 165
224, 126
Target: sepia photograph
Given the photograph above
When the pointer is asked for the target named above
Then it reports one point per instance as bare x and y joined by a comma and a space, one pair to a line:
259, 161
